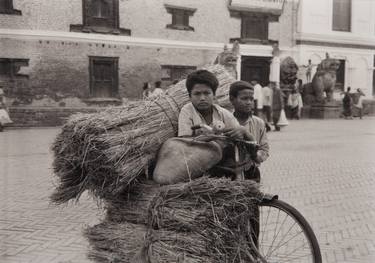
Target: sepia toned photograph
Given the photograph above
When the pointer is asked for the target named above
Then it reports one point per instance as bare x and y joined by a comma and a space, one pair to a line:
187, 131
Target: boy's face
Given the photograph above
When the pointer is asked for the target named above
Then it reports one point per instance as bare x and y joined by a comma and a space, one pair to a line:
244, 102
202, 97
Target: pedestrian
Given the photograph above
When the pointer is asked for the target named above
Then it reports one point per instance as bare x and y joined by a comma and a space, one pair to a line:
4, 115
309, 68
267, 103
155, 91
277, 105
146, 90
359, 104
295, 104
347, 104
258, 97
300, 86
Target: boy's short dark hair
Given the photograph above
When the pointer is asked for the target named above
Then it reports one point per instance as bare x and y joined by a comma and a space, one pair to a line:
201, 76
157, 84
237, 86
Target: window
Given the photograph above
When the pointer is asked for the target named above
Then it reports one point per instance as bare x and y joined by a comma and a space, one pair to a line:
6, 7
100, 16
171, 73
9, 67
104, 77
341, 15
254, 27
101, 13
180, 17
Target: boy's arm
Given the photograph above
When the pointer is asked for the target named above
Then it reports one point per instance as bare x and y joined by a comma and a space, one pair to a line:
263, 151
184, 123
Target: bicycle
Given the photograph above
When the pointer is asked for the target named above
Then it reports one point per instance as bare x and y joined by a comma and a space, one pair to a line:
284, 234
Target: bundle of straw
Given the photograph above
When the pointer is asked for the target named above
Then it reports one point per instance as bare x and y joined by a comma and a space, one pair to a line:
106, 152
123, 242
206, 220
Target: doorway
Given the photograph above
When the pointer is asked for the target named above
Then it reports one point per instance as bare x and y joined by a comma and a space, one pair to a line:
255, 67
340, 76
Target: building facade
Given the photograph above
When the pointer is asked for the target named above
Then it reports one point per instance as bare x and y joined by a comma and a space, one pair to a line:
84, 53
67, 53
345, 29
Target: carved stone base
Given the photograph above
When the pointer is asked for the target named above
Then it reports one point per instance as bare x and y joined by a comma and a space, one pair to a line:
330, 110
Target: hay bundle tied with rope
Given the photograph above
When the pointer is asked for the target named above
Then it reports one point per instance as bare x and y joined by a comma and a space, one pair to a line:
205, 220
106, 152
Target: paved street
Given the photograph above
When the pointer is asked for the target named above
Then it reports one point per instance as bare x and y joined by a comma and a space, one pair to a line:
325, 168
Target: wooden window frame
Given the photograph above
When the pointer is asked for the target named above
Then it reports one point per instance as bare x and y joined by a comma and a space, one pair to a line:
186, 12
115, 18
243, 15
10, 10
172, 67
115, 85
338, 27
257, 20
15, 65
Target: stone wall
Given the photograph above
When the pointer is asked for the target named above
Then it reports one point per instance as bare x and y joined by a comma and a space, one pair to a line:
44, 116
335, 111
59, 70
212, 21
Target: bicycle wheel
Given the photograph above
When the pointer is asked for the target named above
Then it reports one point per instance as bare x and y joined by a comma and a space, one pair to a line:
285, 235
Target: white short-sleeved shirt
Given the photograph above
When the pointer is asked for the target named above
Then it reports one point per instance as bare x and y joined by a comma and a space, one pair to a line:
267, 96
258, 95
189, 117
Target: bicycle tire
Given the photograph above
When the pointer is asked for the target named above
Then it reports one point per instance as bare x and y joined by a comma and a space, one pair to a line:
277, 206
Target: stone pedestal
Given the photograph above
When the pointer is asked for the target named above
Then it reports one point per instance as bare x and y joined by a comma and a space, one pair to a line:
331, 110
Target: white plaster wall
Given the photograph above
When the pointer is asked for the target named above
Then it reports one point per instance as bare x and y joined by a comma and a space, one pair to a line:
315, 17
358, 68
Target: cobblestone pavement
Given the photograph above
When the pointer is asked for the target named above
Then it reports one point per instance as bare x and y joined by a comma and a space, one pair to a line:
325, 168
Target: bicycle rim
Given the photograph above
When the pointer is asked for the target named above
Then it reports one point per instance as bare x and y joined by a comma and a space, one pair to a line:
285, 236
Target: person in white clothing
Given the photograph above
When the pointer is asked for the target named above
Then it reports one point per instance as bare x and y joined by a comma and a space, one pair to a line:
258, 98
267, 104
155, 92
359, 103
4, 116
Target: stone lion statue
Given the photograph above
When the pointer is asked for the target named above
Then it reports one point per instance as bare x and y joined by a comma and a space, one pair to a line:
324, 80
288, 73
228, 58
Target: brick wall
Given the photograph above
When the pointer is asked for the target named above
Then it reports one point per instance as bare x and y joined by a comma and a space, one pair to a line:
145, 18
60, 69
43, 116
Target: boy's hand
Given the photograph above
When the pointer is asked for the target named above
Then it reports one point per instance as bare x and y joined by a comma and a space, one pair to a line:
236, 133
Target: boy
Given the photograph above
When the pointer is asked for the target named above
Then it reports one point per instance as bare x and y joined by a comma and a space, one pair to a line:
201, 86
241, 96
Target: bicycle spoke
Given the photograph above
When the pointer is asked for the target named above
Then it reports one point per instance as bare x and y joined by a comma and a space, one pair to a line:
288, 240
265, 224
273, 240
282, 237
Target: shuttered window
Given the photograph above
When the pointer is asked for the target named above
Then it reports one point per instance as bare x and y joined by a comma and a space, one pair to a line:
103, 77
180, 17
101, 13
341, 15
6, 7
254, 27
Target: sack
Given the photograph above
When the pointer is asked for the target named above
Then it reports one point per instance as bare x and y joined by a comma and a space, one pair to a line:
283, 121
184, 159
